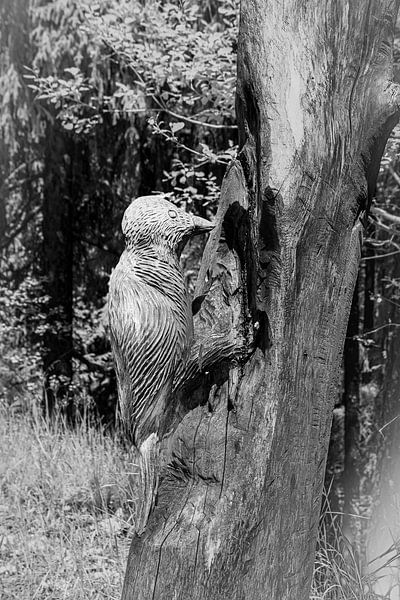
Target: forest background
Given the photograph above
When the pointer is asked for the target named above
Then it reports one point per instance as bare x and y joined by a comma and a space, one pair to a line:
100, 103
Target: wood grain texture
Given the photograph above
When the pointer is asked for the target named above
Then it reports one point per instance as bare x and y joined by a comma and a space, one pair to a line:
151, 326
238, 504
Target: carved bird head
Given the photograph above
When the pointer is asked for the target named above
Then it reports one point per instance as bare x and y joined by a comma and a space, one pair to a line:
154, 221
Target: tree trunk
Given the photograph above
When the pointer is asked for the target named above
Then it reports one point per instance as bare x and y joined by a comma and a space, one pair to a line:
57, 271
363, 379
342, 469
352, 425
384, 534
383, 445
239, 498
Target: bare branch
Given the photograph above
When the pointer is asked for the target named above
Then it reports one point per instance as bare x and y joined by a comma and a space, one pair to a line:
7, 241
195, 122
395, 176
378, 329
383, 213
380, 255
92, 365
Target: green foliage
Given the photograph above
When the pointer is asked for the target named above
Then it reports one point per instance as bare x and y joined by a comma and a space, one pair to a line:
22, 323
144, 92
175, 60
178, 56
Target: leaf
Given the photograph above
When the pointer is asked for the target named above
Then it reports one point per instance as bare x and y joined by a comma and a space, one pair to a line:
74, 71
176, 126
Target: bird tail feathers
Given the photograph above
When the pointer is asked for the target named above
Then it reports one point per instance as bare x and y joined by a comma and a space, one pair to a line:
149, 472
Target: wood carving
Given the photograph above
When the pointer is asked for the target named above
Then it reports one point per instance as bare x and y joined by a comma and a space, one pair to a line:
242, 470
158, 361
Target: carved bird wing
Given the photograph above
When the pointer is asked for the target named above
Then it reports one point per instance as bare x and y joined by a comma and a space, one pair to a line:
147, 343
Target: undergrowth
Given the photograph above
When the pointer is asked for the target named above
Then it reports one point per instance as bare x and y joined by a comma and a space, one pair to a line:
338, 571
67, 500
67, 505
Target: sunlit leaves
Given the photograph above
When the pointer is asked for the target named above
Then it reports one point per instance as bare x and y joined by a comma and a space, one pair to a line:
176, 126
175, 54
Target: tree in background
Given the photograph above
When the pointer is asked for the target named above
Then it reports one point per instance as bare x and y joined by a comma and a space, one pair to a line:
22, 299
370, 490
101, 79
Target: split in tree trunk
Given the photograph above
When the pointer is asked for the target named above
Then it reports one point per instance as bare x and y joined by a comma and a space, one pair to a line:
353, 418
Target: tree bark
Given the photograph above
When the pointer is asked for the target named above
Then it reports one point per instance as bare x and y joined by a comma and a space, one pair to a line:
352, 424
57, 265
239, 498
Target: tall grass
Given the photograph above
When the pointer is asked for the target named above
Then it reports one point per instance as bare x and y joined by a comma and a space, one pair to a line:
67, 501
67, 505
338, 571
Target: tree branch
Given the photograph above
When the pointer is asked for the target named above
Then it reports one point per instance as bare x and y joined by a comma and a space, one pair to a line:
386, 215
18, 230
395, 176
196, 122
380, 255
92, 365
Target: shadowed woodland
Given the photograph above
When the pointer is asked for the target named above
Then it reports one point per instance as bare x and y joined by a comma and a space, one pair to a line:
102, 102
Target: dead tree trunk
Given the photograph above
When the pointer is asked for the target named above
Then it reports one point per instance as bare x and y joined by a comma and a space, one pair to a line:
239, 498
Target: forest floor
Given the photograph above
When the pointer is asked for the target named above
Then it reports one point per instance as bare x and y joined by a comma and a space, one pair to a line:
65, 511
67, 505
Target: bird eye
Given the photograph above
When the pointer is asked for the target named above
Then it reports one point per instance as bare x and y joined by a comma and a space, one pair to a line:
173, 214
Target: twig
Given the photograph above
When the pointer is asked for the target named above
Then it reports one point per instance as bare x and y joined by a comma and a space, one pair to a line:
161, 104
380, 255
395, 175
386, 215
92, 365
18, 230
387, 424
195, 122
377, 329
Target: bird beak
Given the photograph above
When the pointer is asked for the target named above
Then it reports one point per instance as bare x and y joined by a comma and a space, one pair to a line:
201, 225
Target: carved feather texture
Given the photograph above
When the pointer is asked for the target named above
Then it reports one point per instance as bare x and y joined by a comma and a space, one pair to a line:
151, 329
151, 324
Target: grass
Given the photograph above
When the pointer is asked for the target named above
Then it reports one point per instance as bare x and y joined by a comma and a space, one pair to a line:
338, 574
67, 505
67, 500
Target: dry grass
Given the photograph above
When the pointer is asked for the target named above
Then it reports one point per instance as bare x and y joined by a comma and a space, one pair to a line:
66, 506
338, 574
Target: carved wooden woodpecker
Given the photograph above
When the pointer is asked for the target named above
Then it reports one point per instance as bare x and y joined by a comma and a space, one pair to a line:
151, 323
